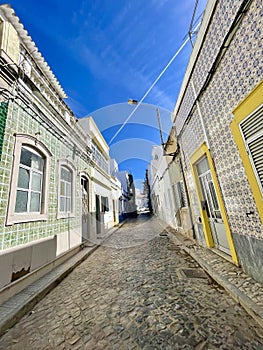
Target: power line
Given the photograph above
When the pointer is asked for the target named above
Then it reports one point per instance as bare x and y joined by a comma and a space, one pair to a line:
151, 87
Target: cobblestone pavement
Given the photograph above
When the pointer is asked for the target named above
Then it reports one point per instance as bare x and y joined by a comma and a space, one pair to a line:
242, 287
134, 293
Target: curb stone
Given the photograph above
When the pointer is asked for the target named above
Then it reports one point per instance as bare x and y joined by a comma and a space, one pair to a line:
254, 310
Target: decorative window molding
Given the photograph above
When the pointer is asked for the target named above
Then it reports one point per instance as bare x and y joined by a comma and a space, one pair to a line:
66, 189
28, 196
247, 130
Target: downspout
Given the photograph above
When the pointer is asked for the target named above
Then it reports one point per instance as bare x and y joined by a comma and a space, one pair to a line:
187, 195
200, 115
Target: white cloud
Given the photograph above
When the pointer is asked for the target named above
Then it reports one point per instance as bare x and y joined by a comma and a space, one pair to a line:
128, 53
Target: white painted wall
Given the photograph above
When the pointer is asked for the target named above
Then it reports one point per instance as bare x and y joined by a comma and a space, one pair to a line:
28, 256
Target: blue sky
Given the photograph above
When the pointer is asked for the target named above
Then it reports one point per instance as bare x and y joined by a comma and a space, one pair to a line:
106, 51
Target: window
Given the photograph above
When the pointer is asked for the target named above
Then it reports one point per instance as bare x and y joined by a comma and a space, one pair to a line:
28, 197
30, 179
247, 129
99, 158
66, 189
104, 204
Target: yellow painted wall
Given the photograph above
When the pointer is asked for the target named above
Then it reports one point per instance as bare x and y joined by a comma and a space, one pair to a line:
244, 109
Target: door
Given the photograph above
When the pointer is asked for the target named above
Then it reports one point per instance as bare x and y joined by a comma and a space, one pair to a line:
98, 216
85, 208
114, 210
212, 207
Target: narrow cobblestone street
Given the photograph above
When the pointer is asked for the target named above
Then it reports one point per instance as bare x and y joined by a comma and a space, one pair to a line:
136, 292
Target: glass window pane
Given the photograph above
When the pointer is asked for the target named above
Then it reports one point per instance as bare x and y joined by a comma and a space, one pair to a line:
25, 157
23, 178
65, 174
68, 205
62, 188
35, 202
37, 162
21, 202
68, 190
213, 195
36, 182
218, 214
62, 204
202, 166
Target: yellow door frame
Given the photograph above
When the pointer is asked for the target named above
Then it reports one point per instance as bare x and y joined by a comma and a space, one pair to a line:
243, 110
198, 154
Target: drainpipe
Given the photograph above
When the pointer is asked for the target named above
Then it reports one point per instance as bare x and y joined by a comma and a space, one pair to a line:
187, 195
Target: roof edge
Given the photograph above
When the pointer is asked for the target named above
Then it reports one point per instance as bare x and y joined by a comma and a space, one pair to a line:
28, 42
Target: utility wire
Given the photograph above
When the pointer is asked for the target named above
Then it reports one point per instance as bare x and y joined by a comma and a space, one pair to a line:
190, 31
151, 87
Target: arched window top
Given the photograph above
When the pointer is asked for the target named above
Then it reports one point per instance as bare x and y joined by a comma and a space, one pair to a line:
34, 143
30, 157
65, 173
67, 164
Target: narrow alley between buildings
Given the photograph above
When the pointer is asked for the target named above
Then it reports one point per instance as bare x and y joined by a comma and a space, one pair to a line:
134, 292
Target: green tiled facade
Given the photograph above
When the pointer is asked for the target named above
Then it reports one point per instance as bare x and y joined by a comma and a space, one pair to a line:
3, 114
21, 119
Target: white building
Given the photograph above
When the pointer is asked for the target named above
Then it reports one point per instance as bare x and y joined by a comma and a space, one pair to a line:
116, 191
105, 186
45, 171
128, 194
161, 189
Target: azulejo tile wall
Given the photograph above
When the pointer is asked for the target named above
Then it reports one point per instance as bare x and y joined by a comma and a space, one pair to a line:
3, 115
221, 23
238, 73
21, 120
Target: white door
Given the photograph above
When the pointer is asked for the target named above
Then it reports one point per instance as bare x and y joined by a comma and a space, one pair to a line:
212, 207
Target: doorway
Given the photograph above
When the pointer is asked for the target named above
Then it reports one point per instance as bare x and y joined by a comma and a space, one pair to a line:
211, 205
98, 215
114, 210
85, 208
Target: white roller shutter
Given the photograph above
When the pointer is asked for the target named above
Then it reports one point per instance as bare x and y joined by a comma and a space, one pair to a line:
252, 131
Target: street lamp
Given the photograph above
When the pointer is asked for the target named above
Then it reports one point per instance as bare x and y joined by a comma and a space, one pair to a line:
135, 102
170, 141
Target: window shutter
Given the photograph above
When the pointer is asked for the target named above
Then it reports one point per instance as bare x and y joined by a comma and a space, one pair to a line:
252, 131
180, 195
